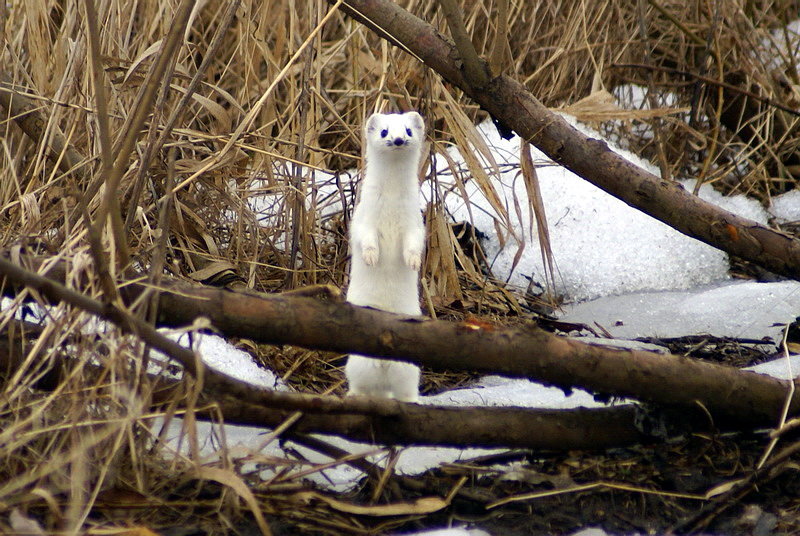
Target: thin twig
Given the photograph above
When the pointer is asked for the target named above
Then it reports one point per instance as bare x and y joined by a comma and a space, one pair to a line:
710, 81
789, 395
95, 229
678, 24
99, 86
208, 58
159, 254
296, 202
497, 56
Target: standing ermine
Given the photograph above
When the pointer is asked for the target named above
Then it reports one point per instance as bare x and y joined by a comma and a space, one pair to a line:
387, 237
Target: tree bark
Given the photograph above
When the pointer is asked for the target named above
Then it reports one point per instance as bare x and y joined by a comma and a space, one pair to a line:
727, 393
732, 397
511, 104
391, 423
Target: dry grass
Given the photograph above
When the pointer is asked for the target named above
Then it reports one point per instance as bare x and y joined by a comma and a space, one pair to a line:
280, 100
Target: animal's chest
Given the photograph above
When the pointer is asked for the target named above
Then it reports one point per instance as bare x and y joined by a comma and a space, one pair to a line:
394, 216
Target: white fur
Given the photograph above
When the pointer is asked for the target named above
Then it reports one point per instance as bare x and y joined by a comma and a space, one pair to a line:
383, 378
387, 238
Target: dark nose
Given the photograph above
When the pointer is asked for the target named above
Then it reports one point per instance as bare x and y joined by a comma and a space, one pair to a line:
399, 141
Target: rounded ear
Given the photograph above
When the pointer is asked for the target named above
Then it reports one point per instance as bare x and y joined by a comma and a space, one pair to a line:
372, 122
416, 120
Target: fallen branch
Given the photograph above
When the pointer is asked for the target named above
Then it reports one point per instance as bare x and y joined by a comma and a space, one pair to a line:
731, 396
511, 104
410, 424
746, 398
29, 117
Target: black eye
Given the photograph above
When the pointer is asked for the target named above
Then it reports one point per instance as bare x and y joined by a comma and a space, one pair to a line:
408, 131
384, 132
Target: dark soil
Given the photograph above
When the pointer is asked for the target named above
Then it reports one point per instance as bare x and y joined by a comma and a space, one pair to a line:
693, 484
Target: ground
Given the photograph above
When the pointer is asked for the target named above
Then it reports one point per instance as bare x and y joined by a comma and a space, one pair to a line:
652, 488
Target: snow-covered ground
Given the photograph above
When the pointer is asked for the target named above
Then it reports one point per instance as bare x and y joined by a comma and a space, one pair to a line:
617, 267
601, 245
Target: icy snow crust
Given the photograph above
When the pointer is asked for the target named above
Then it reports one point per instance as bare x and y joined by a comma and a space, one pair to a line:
601, 245
604, 250
786, 207
743, 310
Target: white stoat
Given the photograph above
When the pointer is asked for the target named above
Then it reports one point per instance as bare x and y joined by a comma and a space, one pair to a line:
387, 238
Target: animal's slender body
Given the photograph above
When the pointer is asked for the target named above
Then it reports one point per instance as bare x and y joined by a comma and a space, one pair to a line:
387, 238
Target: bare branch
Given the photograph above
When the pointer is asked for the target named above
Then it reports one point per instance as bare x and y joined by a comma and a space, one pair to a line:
513, 106
383, 421
732, 397
32, 121
474, 67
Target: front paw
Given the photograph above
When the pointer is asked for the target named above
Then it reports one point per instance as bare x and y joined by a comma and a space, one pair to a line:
370, 255
413, 259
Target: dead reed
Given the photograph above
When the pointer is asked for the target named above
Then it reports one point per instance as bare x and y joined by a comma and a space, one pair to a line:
143, 132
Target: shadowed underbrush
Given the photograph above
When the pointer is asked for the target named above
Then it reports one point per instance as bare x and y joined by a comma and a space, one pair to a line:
205, 140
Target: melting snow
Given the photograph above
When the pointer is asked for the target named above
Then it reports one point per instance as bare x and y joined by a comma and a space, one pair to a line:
636, 269
601, 245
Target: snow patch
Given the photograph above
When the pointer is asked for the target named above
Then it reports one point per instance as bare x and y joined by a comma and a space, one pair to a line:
786, 207
742, 310
601, 245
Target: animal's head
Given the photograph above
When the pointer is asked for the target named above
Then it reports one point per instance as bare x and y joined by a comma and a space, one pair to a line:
395, 132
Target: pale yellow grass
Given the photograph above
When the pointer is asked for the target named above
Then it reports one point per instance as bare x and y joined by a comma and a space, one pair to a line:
281, 89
